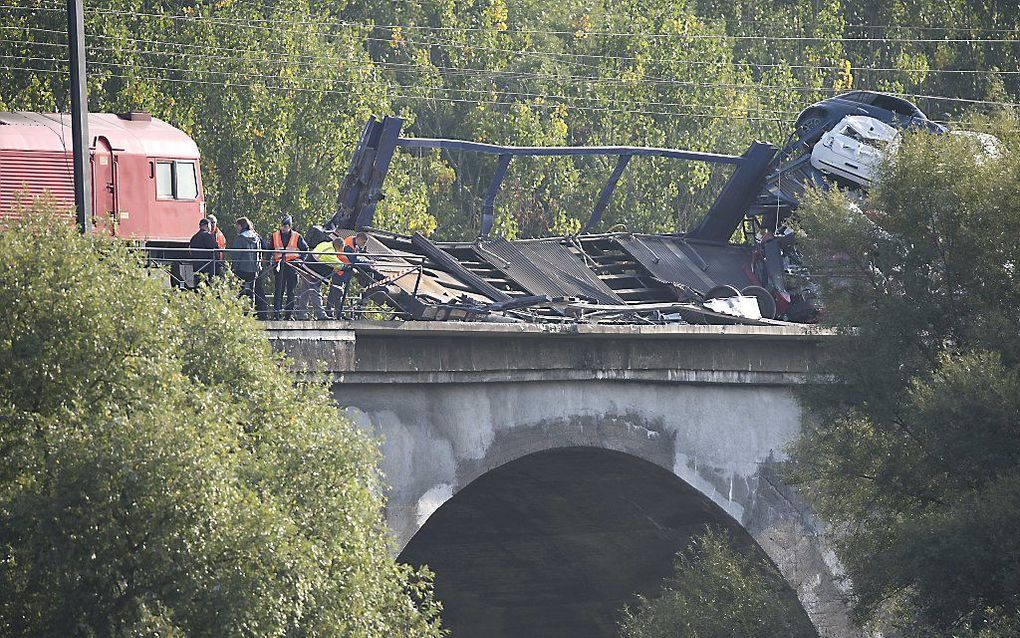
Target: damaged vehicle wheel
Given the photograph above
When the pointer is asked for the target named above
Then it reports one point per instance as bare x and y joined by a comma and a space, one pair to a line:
766, 303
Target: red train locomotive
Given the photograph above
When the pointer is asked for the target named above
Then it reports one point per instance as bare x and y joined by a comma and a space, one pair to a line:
146, 182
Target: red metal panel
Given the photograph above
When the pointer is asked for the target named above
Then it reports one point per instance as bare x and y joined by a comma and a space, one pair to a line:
28, 176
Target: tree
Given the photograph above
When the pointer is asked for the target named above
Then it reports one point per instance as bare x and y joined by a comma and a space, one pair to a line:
717, 591
912, 444
161, 473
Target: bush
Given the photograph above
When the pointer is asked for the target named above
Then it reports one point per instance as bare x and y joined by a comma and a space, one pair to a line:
161, 473
718, 592
913, 442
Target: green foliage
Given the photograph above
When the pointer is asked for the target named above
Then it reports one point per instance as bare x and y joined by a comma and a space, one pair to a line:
913, 444
162, 474
408, 195
718, 592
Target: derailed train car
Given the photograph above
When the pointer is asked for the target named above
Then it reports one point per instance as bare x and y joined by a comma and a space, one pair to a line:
146, 177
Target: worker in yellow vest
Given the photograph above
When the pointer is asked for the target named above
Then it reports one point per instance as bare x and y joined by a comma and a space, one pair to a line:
340, 254
288, 246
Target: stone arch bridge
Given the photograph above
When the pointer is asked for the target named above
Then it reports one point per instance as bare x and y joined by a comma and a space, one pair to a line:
548, 473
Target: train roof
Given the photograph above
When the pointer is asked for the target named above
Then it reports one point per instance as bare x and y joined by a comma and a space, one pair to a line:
132, 133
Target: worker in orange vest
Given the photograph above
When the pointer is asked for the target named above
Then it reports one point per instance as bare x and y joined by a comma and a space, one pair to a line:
287, 246
221, 241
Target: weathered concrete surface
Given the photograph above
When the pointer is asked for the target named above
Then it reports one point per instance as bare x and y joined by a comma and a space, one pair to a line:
710, 404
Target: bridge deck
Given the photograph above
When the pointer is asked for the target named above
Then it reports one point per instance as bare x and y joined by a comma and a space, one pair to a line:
456, 352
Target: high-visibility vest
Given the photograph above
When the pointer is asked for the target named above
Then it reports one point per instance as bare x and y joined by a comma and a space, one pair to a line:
348, 243
292, 244
325, 253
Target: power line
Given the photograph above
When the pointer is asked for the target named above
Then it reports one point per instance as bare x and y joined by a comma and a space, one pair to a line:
33, 29
445, 71
576, 56
470, 72
554, 55
511, 94
575, 32
525, 76
538, 53
536, 96
686, 36
758, 66
418, 98
882, 27
732, 85
931, 97
708, 22
717, 23
537, 105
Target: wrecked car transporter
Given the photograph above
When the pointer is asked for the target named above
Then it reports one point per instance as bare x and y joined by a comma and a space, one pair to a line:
591, 277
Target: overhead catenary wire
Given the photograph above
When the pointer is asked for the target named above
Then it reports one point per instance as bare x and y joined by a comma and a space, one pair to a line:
636, 59
374, 65
708, 22
720, 22
537, 96
540, 105
539, 53
537, 105
758, 87
371, 65
680, 35
487, 91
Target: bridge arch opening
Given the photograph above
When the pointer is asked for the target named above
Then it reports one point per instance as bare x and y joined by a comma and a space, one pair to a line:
555, 543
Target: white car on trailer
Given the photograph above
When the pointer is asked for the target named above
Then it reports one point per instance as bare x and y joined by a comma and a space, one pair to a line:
855, 148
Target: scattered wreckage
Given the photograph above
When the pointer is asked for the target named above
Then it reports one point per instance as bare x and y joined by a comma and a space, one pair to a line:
696, 277
611, 277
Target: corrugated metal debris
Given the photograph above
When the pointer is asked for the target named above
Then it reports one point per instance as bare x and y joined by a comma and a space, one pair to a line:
605, 278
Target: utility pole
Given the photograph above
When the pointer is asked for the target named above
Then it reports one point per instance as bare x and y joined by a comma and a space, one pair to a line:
79, 114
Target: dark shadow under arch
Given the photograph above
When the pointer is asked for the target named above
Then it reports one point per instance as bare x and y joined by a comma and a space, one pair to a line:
555, 543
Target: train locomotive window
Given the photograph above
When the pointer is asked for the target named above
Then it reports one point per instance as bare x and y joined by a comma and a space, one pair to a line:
186, 182
176, 180
164, 180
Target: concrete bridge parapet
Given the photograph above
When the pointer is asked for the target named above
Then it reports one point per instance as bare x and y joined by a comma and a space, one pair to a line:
712, 405
439, 352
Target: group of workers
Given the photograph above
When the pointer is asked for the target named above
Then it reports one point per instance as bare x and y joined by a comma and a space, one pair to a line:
297, 270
